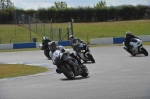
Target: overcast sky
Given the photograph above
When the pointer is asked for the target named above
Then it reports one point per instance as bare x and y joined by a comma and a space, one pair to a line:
35, 4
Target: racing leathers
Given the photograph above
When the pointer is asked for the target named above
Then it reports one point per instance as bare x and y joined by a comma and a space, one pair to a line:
127, 41
45, 44
74, 44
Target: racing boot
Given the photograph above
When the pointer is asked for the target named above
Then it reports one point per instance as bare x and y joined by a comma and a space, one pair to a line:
58, 71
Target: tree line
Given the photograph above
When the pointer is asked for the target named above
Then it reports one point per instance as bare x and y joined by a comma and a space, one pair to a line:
61, 13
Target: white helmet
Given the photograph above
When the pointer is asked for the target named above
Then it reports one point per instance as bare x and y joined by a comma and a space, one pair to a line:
45, 38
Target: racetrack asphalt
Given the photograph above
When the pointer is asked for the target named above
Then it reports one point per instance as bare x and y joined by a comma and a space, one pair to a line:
115, 75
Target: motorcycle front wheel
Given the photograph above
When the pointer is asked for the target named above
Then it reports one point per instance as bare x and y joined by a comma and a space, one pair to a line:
91, 58
85, 72
47, 54
67, 71
144, 51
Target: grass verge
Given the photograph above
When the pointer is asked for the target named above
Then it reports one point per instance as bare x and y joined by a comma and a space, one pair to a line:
15, 70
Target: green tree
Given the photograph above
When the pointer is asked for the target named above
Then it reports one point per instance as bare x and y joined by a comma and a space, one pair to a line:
100, 4
60, 5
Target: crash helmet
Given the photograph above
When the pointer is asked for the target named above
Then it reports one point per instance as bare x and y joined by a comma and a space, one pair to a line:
45, 38
71, 38
128, 34
52, 46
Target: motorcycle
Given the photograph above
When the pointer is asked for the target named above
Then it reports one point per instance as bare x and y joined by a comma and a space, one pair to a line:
46, 51
84, 53
68, 65
136, 47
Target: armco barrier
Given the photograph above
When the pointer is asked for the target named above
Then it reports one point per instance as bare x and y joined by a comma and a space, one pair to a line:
6, 46
29, 45
64, 43
118, 40
101, 41
67, 43
24, 45
145, 38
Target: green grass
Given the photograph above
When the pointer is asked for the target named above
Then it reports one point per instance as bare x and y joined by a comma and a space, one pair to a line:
111, 29
84, 31
15, 70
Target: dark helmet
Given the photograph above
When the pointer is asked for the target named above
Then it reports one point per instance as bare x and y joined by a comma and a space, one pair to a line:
71, 38
128, 34
45, 38
52, 46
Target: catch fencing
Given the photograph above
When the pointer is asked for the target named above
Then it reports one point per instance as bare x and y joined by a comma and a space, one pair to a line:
25, 28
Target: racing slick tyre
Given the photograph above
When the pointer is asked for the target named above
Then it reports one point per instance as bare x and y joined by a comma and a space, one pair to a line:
85, 72
67, 71
144, 51
91, 58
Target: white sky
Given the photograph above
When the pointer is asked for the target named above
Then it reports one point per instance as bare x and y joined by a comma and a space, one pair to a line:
35, 4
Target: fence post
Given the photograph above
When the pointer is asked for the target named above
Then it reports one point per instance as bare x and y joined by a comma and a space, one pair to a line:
68, 33
71, 27
51, 30
44, 28
59, 34
30, 28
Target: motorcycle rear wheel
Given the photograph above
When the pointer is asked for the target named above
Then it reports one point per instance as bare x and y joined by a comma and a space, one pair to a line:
144, 51
91, 58
67, 71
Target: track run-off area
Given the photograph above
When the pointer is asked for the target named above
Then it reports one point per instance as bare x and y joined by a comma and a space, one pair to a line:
115, 75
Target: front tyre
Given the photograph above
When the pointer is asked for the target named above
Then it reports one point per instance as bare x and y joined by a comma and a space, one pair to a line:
91, 58
144, 51
47, 54
85, 72
67, 71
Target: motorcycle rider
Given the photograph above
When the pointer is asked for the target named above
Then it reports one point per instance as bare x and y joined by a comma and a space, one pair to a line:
127, 40
74, 44
53, 47
45, 41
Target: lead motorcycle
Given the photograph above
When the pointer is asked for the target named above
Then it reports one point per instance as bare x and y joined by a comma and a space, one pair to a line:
68, 65
84, 53
137, 47
46, 51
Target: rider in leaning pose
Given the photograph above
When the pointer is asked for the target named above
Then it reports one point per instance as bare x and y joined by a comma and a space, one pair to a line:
127, 40
53, 47
45, 41
74, 44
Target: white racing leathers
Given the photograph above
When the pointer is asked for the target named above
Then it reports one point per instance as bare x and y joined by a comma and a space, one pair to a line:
60, 49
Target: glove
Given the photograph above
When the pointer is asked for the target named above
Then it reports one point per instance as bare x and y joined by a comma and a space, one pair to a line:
54, 63
62, 50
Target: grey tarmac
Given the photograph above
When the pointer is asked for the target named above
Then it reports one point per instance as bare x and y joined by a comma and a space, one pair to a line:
115, 75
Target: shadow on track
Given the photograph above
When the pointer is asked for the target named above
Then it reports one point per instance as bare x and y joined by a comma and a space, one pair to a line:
77, 78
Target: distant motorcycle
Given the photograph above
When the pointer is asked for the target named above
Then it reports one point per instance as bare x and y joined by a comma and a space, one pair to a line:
69, 66
46, 51
137, 47
84, 53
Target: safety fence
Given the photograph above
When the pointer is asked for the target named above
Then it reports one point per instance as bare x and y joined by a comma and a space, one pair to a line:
118, 40
25, 28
